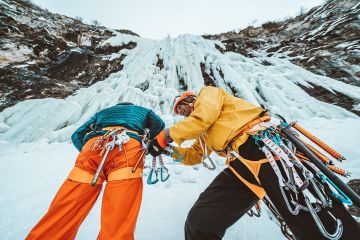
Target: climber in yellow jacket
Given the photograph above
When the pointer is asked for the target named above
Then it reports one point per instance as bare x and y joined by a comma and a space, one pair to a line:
221, 122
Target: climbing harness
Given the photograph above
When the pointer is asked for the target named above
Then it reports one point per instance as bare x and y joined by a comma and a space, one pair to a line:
107, 143
153, 176
205, 155
115, 136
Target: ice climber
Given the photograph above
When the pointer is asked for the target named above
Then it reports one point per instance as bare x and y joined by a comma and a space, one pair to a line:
120, 127
220, 122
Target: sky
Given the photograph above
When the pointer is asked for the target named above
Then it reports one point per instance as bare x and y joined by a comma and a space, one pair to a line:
158, 19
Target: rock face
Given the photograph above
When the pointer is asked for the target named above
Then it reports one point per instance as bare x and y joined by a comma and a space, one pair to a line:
325, 40
49, 55
355, 185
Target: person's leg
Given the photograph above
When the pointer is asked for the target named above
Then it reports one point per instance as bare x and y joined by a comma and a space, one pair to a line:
73, 201
67, 211
222, 203
301, 225
120, 209
122, 198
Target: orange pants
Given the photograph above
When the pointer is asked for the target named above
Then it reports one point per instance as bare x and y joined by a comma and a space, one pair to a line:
74, 200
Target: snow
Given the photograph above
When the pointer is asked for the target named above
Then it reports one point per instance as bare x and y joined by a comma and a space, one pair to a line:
315, 31
36, 155
44, 19
347, 45
12, 52
335, 23
31, 173
355, 7
10, 6
84, 39
120, 39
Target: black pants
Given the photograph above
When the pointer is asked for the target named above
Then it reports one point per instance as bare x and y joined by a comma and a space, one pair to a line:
227, 199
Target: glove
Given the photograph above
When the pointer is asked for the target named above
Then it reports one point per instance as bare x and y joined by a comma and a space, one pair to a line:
155, 149
157, 145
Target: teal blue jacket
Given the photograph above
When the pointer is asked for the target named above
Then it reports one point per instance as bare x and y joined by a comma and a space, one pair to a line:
127, 115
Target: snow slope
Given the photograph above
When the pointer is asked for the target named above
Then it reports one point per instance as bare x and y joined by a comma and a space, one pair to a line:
36, 155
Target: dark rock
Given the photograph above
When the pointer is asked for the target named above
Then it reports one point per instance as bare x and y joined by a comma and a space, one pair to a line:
354, 184
63, 53
108, 49
183, 85
208, 78
160, 63
325, 95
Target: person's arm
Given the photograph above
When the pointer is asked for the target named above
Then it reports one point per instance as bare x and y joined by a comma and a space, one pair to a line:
77, 137
155, 124
207, 109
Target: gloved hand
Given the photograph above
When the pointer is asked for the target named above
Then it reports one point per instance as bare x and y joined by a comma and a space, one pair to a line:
157, 145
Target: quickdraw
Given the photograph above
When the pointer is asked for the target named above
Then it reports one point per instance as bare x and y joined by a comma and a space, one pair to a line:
337, 193
257, 212
283, 226
177, 157
297, 179
154, 173
144, 143
205, 155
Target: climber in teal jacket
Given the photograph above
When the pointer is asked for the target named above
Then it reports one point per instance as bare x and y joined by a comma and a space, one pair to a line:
122, 169
125, 114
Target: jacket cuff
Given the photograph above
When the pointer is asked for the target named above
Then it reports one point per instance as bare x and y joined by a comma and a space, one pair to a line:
168, 139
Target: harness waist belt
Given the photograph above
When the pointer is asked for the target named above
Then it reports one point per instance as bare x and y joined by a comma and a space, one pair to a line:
110, 128
80, 175
251, 124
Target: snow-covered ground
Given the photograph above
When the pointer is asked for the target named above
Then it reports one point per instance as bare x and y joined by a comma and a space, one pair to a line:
31, 173
36, 155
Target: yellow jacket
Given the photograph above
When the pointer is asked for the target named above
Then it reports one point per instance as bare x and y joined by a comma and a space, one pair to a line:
217, 115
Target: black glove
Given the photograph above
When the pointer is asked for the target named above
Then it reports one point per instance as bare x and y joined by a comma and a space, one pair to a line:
155, 149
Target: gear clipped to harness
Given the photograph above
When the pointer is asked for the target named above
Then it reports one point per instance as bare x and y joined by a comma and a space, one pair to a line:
155, 173
302, 172
107, 143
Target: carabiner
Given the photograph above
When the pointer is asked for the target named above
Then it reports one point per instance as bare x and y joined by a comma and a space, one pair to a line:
150, 179
340, 194
164, 177
250, 213
175, 155
338, 229
297, 208
212, 167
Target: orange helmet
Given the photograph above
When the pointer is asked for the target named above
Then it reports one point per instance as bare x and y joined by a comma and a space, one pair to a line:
187, 97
